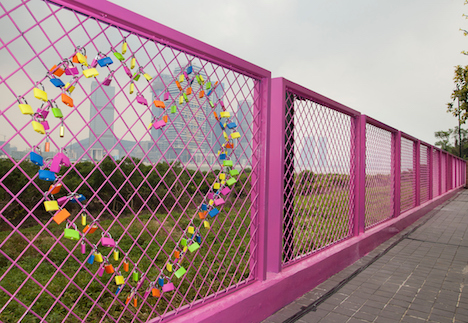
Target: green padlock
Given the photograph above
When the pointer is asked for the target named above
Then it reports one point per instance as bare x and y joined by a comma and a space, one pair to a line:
57, 112
119, 56
135, 275
136, 76
71, 234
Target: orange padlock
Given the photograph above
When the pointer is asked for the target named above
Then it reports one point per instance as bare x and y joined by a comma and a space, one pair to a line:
189, 91
202, 215
55, 188
56, 70
178, 85
90, 228
177, 254
61, 216
165, 119
75, 59
216, 115
67, 100
109, 268
155, 292
202, 94
230, 145
125, 265
135, 301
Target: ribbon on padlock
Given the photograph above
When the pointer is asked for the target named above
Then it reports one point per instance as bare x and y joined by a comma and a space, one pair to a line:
107, 241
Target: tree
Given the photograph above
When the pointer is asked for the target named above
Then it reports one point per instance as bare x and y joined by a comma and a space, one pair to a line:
444, 139
460, 94
459, 144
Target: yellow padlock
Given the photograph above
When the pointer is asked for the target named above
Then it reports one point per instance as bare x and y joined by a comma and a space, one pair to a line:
181, 100
169, 267
181, 78
25, 108
98, 257
132, 88
69, 88
124, 47
115, 253
133, 63
222, 176
147, 77
191, 229
51, 206
225, 114
82, 59
83, 219
235, 135
206, 224
216, 186
38, 127
90, 72
40, 94
119, 279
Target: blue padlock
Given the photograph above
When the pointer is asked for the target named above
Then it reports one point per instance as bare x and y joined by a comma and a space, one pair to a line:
231, 125
198, 238
222, 156
46, 175
189, 69
57, 82
213, 212
36, 158
161, 281
91, 259
221, 125
204, 207
209, 93
106, 61
78, 198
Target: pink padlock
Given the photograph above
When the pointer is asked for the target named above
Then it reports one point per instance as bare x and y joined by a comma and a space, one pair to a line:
107, 81
56, 162
225, 191
62, 200
83, 247
159, 124
166, 96
43, 113
141, 99
107, 241
45, 124
219, 201
127, 70
101, 271
72, 70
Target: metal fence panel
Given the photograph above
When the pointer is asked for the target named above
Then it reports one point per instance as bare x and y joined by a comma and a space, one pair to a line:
408, 174
148, 141
424, 165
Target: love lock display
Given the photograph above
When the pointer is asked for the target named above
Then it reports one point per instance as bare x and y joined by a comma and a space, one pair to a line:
40, 94
72, 234
67, 100
90, 228
36, 158
25, 108
107, 241
71, 69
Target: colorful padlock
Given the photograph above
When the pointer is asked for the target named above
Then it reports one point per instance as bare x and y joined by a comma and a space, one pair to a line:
57, 70
109, 268
67, 100
61, 216
90, 72
55, 188
90, 228
141, 99
119, 279
25, 108
36, 158
105, 61
57, 82
51, 206
46, 175
71, 70
38, 127
107, 81
107, 241
127, 70
40, 94
72, 234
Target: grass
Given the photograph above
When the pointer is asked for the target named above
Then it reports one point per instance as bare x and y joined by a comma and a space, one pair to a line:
229, 251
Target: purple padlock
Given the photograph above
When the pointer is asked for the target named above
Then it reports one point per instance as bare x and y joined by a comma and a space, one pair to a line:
168, 287
127, 70
45, 124
94, 62
107, 241
141, 99
218, 202
61, 201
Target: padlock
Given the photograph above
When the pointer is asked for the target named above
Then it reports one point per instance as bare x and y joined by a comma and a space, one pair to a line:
209, 93
186, 97
90, 72
51, 206
180, 272
135, 275
231, 181
73, 70
69, 88
174, 109
56, 163
159, 104
168, 287
208, 85
198, 238
213, 212
57, 82
107, 241
105, 61
126, 265
82, 59
83, 219
45, 124
76, 197
127, 70
190, 229
193, 247
62, 130
109, 268
181, 100
115, 254
161, 281
67, 100
136, 76
132, 88
219, 202
40, 94
201, 94
101, 271
91, 259
178, 85
119, 279
72, 234
141, 99
206, 224
202, 215
25, 108
119, 56
183, 242
57, 112
133, 62
62, 200
169, 267
216, 186
83, 247
188, 91
166, 96
57, 70
107, 81
98, 256
177, 254
181, 78
189, 69
55, 188
231, 125
90, 228
216, 116
61, 216
155, 292
198, 79
225, 191
165, 119
46, 175
36, 158
135, 301
235, 135
147, 77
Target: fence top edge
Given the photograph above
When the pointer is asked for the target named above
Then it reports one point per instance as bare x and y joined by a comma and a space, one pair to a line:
316, 97
123, 18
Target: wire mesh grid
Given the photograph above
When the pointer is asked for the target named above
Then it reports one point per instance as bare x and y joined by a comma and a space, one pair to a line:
424, 153
379, 175
443, 172
408, 175
318, 197
435, 173
135, 153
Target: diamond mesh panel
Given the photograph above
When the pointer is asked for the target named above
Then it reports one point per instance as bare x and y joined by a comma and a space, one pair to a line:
379, 180
443, 172
148, 189
435, 173
408, 175
317, 201
424, 153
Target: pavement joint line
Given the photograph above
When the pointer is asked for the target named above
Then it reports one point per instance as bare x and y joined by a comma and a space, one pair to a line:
436, 242
312, 307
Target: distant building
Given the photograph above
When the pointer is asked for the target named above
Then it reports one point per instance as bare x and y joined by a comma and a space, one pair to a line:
243, 151
102, 117
314, 154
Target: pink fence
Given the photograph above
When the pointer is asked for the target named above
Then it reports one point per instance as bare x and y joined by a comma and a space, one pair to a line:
146, 176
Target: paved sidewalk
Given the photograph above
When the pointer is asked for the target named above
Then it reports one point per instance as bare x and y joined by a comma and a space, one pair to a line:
422, 276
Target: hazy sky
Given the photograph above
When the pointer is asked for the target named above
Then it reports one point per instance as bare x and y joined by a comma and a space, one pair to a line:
392, 60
